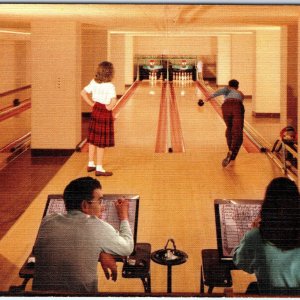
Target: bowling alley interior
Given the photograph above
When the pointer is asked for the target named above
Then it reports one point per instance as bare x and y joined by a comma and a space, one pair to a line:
170, 140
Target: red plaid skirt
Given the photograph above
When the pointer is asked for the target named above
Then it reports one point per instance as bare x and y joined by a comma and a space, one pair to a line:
101, 127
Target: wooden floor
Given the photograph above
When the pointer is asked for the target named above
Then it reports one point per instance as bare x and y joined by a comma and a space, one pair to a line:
177, 190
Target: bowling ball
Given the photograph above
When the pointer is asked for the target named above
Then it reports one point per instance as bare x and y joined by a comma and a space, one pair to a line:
200, 102
16, 102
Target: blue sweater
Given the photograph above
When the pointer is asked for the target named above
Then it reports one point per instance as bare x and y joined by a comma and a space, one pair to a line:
272, 266
229, 93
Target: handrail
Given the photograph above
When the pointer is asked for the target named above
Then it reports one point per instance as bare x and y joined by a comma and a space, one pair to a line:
16, 143
13, 110
15, 149
15, 90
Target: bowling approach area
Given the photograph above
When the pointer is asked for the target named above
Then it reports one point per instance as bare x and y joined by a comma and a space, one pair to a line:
172, 159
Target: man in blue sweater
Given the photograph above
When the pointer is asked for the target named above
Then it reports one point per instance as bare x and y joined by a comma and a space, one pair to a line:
233, 114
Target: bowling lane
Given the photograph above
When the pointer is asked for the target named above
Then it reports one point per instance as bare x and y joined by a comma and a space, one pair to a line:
136, 124
203, 129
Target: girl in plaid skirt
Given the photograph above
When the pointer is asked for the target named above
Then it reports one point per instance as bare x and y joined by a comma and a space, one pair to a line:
100, 94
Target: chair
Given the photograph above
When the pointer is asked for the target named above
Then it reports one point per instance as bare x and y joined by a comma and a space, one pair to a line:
214, 272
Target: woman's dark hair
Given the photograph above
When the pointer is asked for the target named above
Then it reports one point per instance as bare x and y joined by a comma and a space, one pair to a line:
105, 72
79, 190
233, 83
280, 214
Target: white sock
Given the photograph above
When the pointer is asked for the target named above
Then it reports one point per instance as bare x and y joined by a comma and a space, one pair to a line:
100, 168
91, 163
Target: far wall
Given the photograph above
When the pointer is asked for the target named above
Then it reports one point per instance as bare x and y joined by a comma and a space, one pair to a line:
158, 45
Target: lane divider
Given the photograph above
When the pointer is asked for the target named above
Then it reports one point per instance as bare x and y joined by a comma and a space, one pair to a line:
176, 131
248, 142
162, 126
123, 100
169, 134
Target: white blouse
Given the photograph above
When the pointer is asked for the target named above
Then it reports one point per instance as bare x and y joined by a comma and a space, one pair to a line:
101, 92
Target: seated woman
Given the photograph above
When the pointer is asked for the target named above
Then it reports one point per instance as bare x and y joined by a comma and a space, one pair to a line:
271, 250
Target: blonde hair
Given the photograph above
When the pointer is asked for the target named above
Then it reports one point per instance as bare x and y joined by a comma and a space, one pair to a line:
105, 72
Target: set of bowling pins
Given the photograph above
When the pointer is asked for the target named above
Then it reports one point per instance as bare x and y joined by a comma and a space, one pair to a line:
182, 76
152, 76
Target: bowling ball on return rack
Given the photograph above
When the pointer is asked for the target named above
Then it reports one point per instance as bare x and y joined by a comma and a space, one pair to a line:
200, 102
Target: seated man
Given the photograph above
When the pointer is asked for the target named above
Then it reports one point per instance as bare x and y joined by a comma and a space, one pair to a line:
68, 246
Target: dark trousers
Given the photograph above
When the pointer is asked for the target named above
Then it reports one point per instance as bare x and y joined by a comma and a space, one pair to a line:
233, 114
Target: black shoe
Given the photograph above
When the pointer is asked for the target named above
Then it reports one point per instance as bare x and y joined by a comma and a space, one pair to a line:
106, 173
226, 160
91, 169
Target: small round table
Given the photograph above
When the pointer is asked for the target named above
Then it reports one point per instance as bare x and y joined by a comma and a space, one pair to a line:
169, 258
